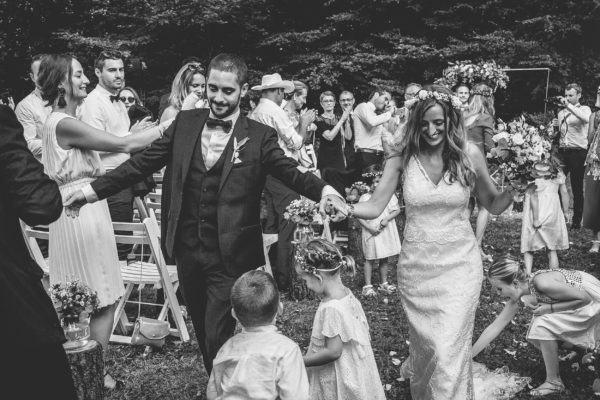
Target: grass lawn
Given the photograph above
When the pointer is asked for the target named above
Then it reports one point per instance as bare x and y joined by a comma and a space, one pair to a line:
176, 372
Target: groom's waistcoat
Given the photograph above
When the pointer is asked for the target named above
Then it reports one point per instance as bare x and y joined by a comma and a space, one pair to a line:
199, 226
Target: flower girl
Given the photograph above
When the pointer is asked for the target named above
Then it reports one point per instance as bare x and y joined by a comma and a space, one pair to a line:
340, 361
566, 308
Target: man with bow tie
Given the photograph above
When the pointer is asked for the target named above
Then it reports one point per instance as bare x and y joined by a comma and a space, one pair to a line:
217, 161
103, 110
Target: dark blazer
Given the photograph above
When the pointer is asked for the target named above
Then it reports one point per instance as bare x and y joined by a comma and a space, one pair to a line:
241, 185
26, 193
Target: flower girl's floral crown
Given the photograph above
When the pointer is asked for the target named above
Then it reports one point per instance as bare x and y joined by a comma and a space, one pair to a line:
305, 254
482, 92
372, 174
439, 96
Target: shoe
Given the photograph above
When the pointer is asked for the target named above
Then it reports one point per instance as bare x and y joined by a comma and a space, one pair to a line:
368, 291
111, 383
595, 246
387, 288
550, 388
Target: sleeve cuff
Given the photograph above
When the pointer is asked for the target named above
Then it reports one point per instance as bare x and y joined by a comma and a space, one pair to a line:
89, 193
330, 191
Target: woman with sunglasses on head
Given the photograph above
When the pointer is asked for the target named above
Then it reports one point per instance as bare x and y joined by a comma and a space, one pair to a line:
187, 91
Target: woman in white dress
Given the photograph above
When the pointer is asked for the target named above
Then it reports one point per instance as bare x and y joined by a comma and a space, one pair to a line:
82, 248
440, 270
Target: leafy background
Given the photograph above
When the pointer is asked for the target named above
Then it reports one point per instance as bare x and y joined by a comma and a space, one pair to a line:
335, 44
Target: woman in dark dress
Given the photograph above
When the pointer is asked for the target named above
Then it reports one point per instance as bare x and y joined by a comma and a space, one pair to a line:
333, 134
591, 201
479, 123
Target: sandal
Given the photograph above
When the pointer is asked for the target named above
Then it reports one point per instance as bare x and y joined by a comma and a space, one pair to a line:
368, 291
595, 247
551, 388
118, 384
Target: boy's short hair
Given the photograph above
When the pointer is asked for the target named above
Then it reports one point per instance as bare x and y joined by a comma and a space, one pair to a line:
255, 298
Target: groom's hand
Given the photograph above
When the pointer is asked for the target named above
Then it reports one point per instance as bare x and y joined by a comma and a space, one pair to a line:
334, 206
73, 203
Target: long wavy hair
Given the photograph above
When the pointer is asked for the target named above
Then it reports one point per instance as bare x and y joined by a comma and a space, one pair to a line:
454, 155
481, 101
182, 81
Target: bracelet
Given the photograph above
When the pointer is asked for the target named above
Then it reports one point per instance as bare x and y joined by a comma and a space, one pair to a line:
551, 307
351, 210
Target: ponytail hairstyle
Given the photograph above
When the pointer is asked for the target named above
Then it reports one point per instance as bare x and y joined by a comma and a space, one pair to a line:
454, 155
323, 257
508, 269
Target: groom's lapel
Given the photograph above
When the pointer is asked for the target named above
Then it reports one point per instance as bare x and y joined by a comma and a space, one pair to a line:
240, 131
191, 132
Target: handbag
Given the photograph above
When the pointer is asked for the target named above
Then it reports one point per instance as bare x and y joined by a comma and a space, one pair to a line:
150, 332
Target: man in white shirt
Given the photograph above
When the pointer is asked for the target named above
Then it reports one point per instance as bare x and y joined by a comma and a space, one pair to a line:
277, 195
368, 118
572, 123
32, 112
103, 110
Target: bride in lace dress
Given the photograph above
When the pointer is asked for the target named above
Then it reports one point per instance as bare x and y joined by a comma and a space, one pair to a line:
440, 270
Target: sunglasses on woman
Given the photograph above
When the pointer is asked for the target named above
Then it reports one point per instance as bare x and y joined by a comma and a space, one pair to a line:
127, 99
196, 68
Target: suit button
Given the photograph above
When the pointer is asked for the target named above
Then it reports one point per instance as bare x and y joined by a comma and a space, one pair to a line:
204, 189
203, 220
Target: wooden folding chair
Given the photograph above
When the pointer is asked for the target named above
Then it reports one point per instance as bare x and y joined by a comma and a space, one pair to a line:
140, 274
30, 234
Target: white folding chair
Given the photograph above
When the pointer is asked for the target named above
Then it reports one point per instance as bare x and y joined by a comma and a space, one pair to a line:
30, 234
139, 273
268, 240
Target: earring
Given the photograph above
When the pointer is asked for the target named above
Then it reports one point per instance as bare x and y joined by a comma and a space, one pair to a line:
61, 97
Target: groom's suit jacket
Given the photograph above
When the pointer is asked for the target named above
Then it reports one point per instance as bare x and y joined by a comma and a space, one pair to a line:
240, 188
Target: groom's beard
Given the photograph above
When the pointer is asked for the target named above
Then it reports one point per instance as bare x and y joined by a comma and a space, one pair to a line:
226, 108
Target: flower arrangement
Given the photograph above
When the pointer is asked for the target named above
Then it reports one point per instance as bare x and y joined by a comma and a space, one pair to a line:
72, 299
301, 211
488, 72
522, 152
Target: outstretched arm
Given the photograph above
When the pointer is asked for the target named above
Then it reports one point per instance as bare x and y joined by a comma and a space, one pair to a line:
493, 330
383, 193
493, 200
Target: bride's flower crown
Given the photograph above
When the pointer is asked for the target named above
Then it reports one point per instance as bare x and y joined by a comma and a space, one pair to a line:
451, 100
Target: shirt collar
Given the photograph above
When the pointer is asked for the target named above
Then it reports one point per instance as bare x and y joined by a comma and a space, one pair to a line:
103, 91
262, 328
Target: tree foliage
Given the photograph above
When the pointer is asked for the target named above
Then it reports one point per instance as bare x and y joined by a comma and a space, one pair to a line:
334, 44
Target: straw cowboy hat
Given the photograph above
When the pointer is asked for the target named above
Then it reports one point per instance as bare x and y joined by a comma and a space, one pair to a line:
274, 81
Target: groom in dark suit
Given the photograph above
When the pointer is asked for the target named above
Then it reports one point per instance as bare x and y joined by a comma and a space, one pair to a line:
217, 162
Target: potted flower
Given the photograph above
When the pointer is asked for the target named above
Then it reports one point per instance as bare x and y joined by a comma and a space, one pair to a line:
74, 302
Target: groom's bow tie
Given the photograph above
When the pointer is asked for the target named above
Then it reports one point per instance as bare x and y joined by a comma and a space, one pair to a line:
114, 98
213, 123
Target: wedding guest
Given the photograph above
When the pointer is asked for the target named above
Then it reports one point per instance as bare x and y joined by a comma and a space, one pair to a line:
380, 239
293, 104
83, 248
129, 97
439, 171
339, 359
572, 122
543, 224
463, 92
395, 129
411, 90
32, 111
187, 91
566, 309
591, 209
102, 110
35, 364
164, 99
367, 140
277, 195
259, 362
479, 123
332, 137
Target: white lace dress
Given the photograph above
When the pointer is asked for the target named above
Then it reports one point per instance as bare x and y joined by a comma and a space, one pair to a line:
354, 375
439, 281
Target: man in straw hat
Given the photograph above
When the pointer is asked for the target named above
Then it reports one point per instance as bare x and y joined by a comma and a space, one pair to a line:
277, 195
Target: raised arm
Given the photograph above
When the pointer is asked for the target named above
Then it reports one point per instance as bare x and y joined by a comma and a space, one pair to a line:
33, 196
73, 133
493, 200
493, 330
370, 118
383, 192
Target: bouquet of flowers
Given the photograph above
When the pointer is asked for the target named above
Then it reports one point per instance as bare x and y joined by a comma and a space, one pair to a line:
72, 299
522, 152
354, 192
301, 211
487, 72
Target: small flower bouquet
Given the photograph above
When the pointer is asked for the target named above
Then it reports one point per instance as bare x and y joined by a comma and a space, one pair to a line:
488, 72
73, 300
301, 211
522, 152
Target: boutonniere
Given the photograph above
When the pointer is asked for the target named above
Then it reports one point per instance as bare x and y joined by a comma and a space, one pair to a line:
237, 147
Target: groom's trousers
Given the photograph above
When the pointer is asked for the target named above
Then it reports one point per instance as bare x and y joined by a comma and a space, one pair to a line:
206, 287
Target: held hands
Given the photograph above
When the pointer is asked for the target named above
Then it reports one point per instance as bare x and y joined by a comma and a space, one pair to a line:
334, 206
73, 203
142, 125
345, 115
